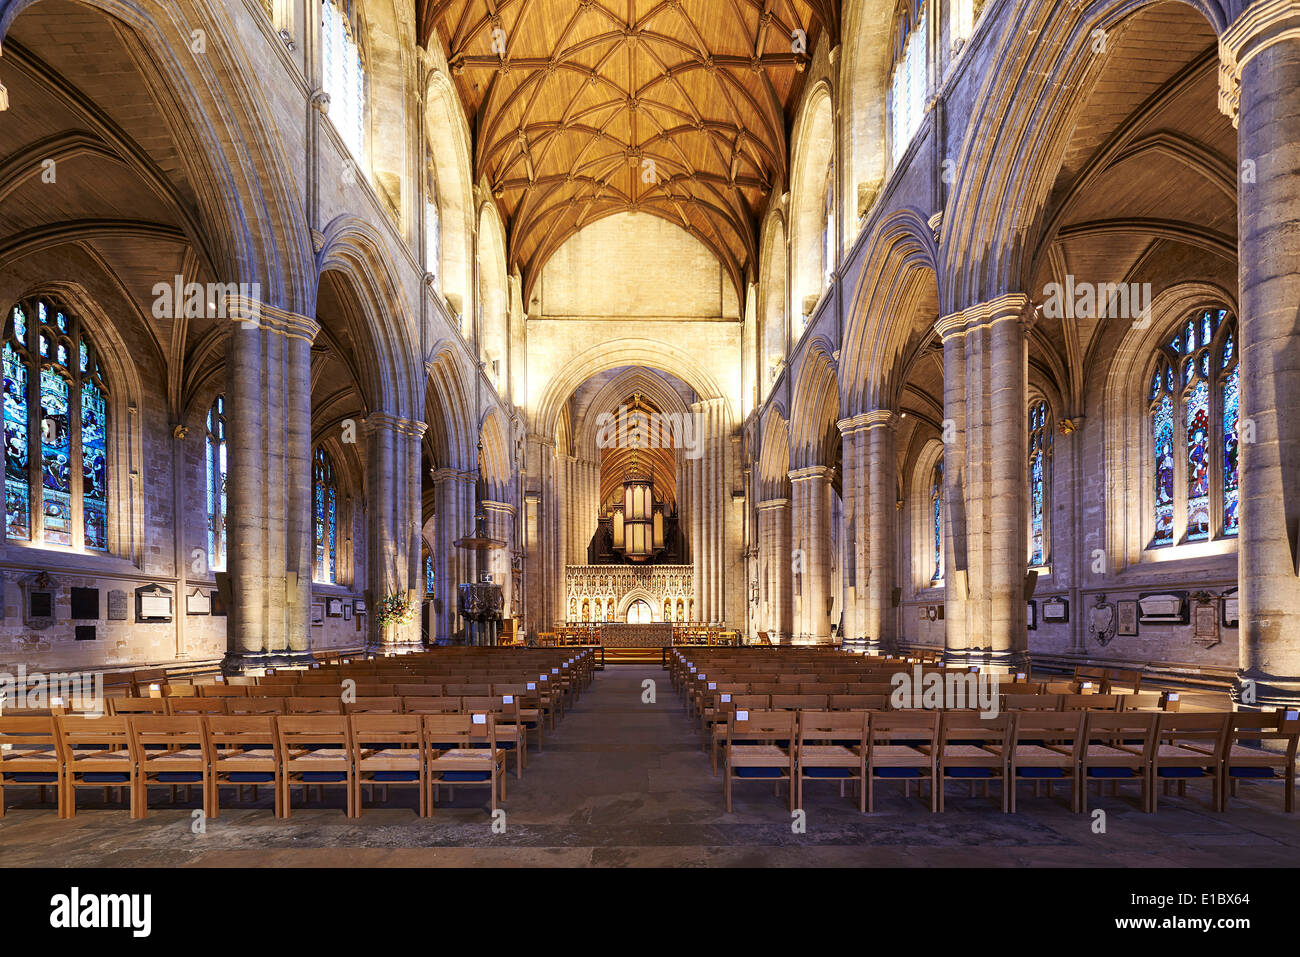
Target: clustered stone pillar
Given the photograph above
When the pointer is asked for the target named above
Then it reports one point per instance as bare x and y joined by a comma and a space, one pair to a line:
810, 494
871, 521
775, 552
545, 545
501, 526
454, 508
393, 484
269, 554
582, 495
986, 483
1260, 76
709, 509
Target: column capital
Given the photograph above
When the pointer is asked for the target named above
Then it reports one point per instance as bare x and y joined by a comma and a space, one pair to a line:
1015, 305
1257, 29
772, 503
377, 421
252, 313
491, 506
876, 418
814, 472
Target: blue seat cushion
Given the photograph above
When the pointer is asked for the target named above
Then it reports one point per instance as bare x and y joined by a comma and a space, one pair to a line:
760, 772
1111, 773
1180, 772
250, 777
105, 777
1040, 772
970, 773
396, 777
453, 777
1249, 772
34, 777
324, 777
898, 772
829, 773
179, 777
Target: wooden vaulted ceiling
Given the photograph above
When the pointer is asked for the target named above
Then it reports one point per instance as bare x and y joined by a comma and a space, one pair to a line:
586, 108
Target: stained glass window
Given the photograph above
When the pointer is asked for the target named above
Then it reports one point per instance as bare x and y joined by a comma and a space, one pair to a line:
908, 82
216, 484
60, 407
345, 77
936, 516
325, 510
1040, 446
1190, 490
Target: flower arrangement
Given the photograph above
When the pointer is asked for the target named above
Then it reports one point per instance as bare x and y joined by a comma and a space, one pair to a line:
395, 609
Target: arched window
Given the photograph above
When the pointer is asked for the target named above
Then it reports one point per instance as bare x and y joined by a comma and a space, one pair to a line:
828, 229
936, 519
55, 401
432, 228
216, 484
344, 72
908, 79
1193, 385
325, 509
1040, 480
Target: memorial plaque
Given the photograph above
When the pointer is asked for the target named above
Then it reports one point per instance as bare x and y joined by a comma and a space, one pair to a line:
198, 603
153, 603
117, 606
85, 604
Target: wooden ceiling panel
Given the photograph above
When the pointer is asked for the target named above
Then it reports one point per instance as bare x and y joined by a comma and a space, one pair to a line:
586, 108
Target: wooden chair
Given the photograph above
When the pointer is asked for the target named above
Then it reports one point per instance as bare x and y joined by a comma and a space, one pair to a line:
798, 702
309, 705
1090, 702
387, 749
973, 748
1189, 746
29, 756
453, 759
506, 727
833, 744
266, 705
441, 705
313, 749
1144, 701
418, 690
169, 750
901, 745
374, 706
95, 752
1246, 760
242, 749
128, 706
223, 691
1031, 702
1045, 747
858, 702
760, 746
199, 706
1117, 747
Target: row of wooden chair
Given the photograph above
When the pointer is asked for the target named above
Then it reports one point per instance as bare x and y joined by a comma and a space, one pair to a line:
1077, 748
283, 751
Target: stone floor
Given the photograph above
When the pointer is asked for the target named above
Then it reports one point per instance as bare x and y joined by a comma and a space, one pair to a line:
622, 783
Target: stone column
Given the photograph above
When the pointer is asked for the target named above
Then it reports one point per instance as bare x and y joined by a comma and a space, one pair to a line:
392, 458
774, 549
871, 484
987, 490
855, 500
810, 516
709, 510
501, 526
268, 392
1259, 78
453, 490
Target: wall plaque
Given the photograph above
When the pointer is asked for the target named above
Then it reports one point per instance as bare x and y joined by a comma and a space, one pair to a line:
38, 600
1056, 610
1163, 608
85, 604
153, 603
197, 602
117, 606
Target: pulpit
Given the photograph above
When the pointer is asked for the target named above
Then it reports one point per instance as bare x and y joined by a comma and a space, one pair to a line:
480, 604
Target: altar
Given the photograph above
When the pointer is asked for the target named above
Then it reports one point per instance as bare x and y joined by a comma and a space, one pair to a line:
656, 634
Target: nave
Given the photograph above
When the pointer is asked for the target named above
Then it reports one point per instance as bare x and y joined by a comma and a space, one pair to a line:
626, 783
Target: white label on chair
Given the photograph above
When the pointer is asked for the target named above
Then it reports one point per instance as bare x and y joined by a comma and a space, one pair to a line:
480, 719
1292, 715
155, 687
532, 686
742, 715
270, 671
703, 676
555, 671
347, 661
316, 664
1173, 696
543, 678
1086, 684
220, 679
692, 669
726, 697
507, 699
1020, 676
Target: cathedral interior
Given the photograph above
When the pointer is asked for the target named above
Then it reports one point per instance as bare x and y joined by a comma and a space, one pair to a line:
629, 336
